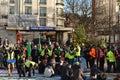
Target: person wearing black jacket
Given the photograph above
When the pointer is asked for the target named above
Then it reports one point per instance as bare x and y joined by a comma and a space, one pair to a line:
67, 72
35, 54
17, 52
94, 71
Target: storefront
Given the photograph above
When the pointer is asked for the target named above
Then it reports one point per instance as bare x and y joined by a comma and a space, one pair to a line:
55, 34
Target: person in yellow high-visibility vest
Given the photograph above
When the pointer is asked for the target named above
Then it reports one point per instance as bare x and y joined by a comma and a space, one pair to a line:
30, 65
20, 64
77, 52
110, 56
10, 60
69, 55
50, 51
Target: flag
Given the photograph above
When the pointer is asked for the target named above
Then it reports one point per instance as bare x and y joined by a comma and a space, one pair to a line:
39, 44
28, 46
49, 42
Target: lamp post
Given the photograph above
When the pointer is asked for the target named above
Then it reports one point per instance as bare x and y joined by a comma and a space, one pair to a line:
109, 23
18, 12
118, 24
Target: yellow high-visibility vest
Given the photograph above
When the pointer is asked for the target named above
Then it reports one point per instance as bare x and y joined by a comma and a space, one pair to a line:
10, 55
77, 51
111, 56
49, 52
42, 52
27, 63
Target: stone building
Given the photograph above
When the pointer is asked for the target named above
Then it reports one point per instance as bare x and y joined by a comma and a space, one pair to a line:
32, 17
104, 16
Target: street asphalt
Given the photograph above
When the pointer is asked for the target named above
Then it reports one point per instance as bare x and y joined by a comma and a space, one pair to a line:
14, 76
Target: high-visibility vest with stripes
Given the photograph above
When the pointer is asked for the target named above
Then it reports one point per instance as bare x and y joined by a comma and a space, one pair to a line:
58, 52
110, 56
49, 52
42, 52
27, 63
68, 55
78, 50
10, 55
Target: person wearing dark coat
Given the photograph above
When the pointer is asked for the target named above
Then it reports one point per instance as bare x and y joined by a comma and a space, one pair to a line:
77, 72
67, 72
94, 72
35, 54
18, 59
20, 65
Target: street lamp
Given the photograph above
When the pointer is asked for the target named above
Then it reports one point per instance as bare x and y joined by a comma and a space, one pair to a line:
109, 23
118, 24
19, 13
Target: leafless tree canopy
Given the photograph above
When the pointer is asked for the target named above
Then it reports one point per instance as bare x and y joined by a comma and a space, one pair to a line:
80, 7
80, 11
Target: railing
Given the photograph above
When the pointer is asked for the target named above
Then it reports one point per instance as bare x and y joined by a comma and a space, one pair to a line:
12, 1
60, 4
3, 20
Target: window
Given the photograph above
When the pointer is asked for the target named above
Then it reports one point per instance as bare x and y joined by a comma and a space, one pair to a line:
28, 1
28, 10
118, 0
60, 22
12, 1
42, 21
59, 11
12, 9
60, 1
42, 1
43, 11
119, 7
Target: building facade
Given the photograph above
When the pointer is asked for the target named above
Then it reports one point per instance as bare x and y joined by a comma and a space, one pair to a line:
23, 14
104, 14
118, 20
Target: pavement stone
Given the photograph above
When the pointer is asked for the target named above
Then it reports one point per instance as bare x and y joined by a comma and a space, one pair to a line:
14, 76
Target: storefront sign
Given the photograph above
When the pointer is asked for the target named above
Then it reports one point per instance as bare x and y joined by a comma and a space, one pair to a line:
41, 28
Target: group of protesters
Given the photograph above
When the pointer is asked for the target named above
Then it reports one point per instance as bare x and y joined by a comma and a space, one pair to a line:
68, 61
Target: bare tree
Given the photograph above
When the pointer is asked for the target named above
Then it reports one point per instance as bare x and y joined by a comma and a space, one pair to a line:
79, 12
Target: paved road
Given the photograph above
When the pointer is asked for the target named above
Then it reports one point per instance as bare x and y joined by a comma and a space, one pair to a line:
14, 76
110, 76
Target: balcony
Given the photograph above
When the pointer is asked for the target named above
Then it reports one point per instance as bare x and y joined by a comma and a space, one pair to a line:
12, 1
60, 4
43, 14
28, 2
28, 17
3, 20
4, 13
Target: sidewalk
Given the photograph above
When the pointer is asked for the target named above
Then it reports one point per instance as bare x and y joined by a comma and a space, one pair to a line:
14, 76
110, 76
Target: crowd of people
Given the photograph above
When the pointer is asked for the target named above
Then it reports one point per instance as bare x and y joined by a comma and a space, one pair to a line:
68, 61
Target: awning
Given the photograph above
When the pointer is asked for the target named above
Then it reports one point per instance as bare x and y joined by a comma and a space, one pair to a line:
50, 33
15, 28
64, 29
